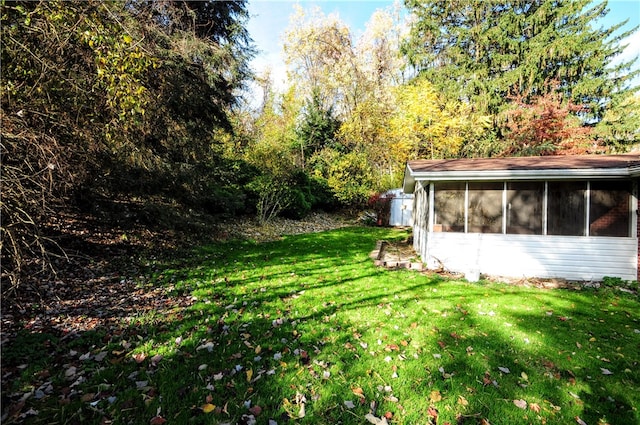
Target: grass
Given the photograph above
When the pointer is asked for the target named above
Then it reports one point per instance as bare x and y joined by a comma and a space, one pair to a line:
309, 330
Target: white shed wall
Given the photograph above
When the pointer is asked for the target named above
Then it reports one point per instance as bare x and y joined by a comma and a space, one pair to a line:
569, 257
401, 207
401, 211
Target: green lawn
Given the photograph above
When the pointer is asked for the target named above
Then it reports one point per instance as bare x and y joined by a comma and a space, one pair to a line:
307, 329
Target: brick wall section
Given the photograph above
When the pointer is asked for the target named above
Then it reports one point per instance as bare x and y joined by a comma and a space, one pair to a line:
615, 222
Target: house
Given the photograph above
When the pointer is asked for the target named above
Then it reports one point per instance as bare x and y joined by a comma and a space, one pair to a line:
571, 217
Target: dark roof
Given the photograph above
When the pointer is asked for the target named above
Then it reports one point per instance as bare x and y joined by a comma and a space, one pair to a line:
522, 168
560, 162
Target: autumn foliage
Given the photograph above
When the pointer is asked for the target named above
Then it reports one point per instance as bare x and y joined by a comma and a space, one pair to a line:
545, 125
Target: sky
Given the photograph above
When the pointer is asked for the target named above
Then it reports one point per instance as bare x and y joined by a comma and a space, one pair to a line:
270, 18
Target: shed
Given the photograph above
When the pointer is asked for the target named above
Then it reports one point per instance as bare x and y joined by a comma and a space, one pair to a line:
572, 217
401, 206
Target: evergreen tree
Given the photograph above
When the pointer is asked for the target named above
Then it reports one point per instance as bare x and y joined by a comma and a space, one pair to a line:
318, 128
485, 51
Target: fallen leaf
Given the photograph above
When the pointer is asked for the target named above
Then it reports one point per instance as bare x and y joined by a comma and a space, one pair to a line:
207, 346
154, 360
606, 371
433, 412
358, 391
435, 396
462, 401
504, 369
70, 373
249, 374
349, 404
157, 420
87, 397
375, 420
520, 403
535, 407
208, 408
139, 357
255, 410
580, 421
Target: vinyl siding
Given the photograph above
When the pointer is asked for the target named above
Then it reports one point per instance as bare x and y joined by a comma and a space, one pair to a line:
570, 257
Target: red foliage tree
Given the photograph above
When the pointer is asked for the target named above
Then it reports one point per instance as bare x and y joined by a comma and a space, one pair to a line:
545, 125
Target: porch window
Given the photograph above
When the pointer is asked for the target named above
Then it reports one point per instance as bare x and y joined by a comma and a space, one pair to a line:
566, 208
485, 207
525, 207
449, 204
609, 209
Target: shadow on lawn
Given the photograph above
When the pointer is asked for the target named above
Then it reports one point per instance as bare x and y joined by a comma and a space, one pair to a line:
560, 370
266, 330
598, 365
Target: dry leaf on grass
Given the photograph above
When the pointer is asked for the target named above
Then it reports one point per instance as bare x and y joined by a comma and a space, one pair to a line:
520, 403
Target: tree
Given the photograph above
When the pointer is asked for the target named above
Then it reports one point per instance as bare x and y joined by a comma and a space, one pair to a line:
484, 51
427, 124
545, 126
273, 153
620, 126
321, 61
317, 130
90, 106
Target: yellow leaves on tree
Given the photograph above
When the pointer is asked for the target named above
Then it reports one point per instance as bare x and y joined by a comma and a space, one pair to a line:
320, 57
120, 64
425, 125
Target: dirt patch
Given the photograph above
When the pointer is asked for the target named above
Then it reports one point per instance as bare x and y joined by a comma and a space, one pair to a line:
396, 255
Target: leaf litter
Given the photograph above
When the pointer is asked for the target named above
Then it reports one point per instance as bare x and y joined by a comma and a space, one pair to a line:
281, 357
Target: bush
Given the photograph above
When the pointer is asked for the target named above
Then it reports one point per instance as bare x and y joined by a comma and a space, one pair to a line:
381, 205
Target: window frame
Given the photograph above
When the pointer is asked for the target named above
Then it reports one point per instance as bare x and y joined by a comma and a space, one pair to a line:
631, 184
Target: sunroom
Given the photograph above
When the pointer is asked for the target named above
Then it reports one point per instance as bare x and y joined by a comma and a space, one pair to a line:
571, 217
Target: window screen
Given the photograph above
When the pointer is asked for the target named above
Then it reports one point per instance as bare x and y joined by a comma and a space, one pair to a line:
609, 208
449, 207
566, 210
485, 207
525, 207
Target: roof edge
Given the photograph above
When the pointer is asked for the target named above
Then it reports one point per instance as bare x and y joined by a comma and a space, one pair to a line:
541, 174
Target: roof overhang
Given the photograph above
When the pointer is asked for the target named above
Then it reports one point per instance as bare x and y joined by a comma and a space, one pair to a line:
525, 168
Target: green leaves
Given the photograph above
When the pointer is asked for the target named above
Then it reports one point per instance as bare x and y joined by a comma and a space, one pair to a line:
483, 52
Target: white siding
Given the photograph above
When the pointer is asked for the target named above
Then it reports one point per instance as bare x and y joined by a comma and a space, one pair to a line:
401, 207
569, 257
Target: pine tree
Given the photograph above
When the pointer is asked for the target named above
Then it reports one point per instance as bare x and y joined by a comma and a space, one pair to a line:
485, 51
